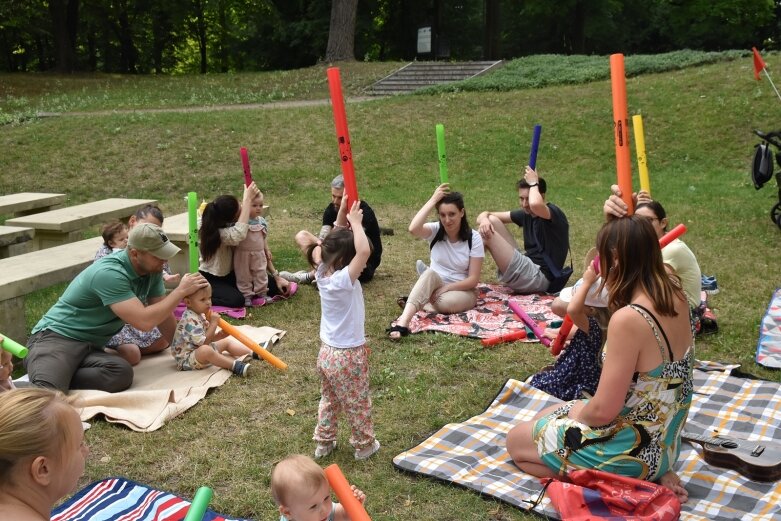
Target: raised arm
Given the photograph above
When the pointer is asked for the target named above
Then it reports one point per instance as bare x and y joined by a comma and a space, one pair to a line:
536, 201
416, 226
362, 248
615, 206
135, 313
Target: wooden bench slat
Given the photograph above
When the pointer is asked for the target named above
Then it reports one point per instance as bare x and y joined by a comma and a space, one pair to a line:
25, 201
15, 234
80, 216
23, 274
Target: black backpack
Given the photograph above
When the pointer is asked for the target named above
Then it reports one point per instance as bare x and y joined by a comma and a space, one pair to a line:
762, 167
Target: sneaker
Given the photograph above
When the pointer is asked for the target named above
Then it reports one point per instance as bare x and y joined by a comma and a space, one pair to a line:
367, 452
265, 345
240, 368
323, 449
420, 267
710, 286
299, 277
247, 302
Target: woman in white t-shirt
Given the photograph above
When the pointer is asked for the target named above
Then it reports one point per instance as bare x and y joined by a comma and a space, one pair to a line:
448, 285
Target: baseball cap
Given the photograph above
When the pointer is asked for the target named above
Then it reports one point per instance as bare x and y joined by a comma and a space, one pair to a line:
150, 238
593, 299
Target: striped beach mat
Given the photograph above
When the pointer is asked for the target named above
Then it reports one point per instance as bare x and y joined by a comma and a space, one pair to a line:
119, 499
769, 345
472, 454
490, 317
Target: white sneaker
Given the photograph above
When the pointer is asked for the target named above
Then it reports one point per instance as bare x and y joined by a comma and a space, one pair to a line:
323, 449
420, 267
299, 277
367, 452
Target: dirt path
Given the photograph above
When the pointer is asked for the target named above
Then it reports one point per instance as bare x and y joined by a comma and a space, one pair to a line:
212, 108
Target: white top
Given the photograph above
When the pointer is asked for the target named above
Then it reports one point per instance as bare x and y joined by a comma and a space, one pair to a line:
222, 262
451, 259
682, 260
341, 309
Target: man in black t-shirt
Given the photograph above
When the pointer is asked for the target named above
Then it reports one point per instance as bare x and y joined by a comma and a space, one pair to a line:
545, 239
304, 238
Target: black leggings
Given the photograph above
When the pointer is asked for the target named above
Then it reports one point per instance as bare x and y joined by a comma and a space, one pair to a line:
225, 293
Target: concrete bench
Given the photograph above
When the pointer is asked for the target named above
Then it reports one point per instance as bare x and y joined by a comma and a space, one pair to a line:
25, 203
15, 240
22, 274
65, 225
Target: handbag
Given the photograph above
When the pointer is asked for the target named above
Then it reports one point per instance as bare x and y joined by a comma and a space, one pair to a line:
594, 495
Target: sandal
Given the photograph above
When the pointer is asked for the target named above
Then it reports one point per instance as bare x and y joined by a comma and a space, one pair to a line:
402, 301
401, 330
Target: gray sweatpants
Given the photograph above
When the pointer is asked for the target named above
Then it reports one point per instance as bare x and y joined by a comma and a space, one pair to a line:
59, 362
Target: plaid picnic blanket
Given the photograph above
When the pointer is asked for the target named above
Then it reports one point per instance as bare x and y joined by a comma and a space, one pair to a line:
490, 317
120, 499
769, 345
472, 454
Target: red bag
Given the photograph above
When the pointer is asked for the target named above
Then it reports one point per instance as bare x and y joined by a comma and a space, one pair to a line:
594, 495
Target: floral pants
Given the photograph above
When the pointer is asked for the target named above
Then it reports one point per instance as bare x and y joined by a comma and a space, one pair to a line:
344, 383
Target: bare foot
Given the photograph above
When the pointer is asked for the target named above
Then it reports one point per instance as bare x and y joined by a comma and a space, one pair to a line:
673, 482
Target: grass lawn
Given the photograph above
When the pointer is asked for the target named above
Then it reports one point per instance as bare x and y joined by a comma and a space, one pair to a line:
698, 124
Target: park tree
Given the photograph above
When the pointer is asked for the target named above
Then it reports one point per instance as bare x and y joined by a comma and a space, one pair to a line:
65, 26
341, 34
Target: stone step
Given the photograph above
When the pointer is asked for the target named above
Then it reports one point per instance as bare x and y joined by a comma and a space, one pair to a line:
418, 75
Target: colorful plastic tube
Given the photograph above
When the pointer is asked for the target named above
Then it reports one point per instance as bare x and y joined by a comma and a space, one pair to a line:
341, 487
642, 161
199, 505
558, 343
536, 329
673, 234
342, 135
535, 147
16, 349
499, 339
192, 231
247, 341
441, 153
621, 130
245, 164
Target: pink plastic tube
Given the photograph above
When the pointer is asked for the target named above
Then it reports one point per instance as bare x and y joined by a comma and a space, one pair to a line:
529, 322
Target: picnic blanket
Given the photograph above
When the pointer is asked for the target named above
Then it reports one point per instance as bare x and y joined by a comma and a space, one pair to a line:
222, 310
160, 391
472, 454
120, 499
490, 317
769, 345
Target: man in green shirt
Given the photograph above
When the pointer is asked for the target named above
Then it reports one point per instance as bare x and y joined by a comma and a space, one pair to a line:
67, 345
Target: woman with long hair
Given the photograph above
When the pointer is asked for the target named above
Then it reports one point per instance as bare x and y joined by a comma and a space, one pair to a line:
449, 284
632, 425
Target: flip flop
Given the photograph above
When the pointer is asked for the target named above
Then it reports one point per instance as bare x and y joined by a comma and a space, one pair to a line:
402, 301
401, 330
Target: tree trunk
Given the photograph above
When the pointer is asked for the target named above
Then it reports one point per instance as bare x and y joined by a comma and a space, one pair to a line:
492, 30
64, 15
341, 35
200, 29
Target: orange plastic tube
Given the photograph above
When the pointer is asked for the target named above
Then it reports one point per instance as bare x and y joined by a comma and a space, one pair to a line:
621, 130
558, 343
342, 135
673, 234
247, 341
509, 337
341, 488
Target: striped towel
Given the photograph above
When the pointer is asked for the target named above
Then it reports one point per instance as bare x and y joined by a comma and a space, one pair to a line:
120, 499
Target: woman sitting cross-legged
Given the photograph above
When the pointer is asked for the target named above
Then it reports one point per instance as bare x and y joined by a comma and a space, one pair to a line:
448, 286
632, 426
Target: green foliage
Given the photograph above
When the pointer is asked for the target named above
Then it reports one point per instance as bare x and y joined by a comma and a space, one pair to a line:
545, 70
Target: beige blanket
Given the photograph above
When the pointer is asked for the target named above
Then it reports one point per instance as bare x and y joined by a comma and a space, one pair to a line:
161, 392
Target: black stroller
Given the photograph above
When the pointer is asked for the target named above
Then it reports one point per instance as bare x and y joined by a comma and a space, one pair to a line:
762, 167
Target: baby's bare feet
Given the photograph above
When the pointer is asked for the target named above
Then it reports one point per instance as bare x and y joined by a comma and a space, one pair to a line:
673, 482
